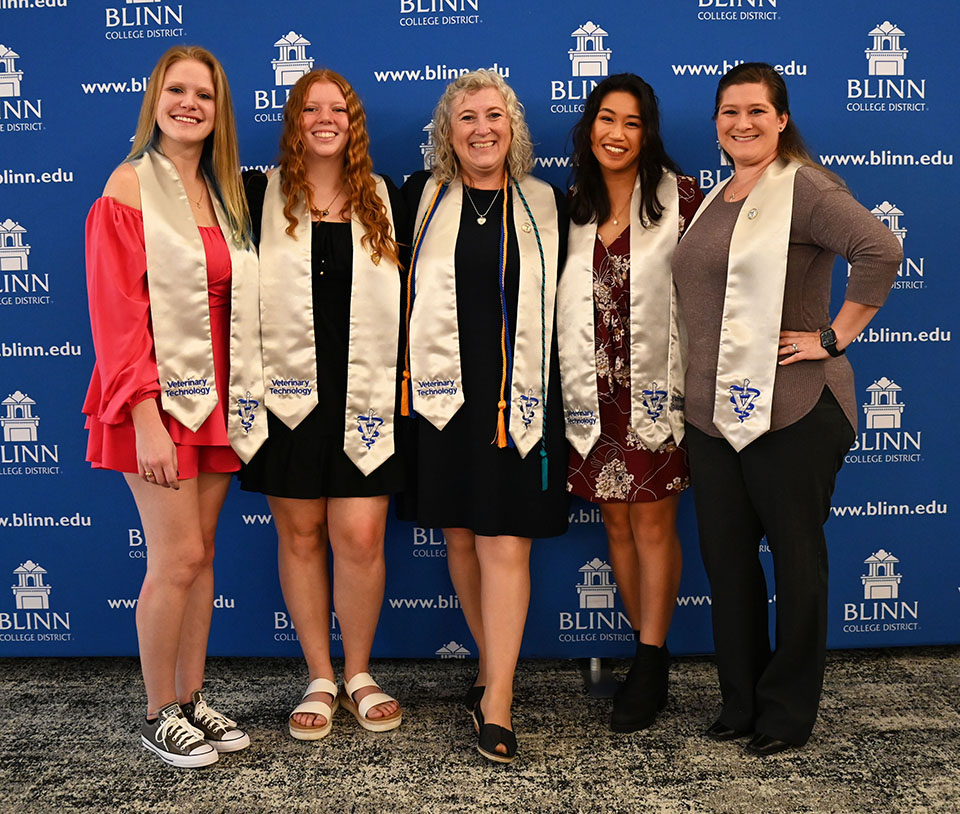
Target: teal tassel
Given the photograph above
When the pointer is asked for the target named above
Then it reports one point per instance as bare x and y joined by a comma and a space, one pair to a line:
543, 469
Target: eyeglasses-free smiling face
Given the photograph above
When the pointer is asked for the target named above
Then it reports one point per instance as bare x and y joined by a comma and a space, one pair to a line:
325, 122
480, 135
748, 126
186, 108
616, 136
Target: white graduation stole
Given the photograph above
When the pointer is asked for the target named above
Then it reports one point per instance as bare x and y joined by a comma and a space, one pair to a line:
180, 313
656, 349
753, 305
289, 343
436, 379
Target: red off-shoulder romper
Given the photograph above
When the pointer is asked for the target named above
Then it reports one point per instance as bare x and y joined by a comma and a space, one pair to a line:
125, 372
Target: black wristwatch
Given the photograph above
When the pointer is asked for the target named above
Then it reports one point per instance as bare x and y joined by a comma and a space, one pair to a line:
828, 339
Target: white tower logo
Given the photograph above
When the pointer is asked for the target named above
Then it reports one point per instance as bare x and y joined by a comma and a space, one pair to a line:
881, 580
886, 58
889, 215
589, 58
595, 589
9, 75
453, 650
30, 592
429, 147
293, 62
883, 411
13, 251
19, 424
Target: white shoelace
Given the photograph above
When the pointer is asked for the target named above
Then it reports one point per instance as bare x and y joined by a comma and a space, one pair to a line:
210, 717
180, 731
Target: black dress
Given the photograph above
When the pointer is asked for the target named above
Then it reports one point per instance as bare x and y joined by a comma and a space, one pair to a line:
309, 461
461, 479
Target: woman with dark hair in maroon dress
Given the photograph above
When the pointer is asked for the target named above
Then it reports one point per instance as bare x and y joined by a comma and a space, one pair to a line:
621, 363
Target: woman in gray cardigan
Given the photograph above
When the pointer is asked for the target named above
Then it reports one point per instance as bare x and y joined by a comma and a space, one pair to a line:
770, 403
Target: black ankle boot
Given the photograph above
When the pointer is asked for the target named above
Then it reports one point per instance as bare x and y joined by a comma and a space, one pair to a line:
644, 692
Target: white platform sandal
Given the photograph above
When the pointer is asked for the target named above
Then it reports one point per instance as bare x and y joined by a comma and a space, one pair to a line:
314, 733
358, 682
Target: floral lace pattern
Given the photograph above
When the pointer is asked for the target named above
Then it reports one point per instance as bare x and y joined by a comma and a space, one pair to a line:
614, 482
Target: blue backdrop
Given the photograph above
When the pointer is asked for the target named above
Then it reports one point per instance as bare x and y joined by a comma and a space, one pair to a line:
871, 91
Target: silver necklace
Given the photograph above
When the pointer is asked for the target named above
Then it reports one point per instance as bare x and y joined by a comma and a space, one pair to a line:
481, 219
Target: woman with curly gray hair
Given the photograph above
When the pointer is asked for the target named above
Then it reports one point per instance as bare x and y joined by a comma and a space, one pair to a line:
481, 364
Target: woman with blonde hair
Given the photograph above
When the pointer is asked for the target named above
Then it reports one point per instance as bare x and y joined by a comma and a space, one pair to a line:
168, 250
482, 373
330, 304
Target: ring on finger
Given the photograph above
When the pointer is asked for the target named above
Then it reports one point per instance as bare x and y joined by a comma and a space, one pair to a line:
148, 474
795, 348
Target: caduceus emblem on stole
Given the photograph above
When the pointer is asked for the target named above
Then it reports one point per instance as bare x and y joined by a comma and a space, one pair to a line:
742, 397
369, 427
246, 407
653, 400
528, 406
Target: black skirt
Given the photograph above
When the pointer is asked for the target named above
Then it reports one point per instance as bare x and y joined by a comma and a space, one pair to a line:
309, 462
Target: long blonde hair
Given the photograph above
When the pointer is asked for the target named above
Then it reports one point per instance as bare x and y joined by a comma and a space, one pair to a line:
220, 160
362, 202
446, 166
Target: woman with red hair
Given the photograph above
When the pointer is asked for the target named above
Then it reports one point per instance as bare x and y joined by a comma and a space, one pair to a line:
330, 306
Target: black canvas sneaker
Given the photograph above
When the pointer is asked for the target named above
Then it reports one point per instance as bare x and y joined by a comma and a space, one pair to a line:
218, 730
172, 738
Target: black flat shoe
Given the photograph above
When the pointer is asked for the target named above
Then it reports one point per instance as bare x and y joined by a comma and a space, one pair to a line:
719, 731
491, 736
472, 697
761, 745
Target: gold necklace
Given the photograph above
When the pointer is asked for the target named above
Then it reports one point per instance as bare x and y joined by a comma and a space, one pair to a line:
616, 221
197, 202
750, 182
322, 213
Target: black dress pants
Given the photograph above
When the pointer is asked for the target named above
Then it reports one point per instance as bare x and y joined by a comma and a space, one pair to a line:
779, 486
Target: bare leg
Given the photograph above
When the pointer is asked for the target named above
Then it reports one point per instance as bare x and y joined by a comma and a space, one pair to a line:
305, 580
211, 492
504, 598
661, 562
649, 591
465, 575
623, 557
357, 526
175, 557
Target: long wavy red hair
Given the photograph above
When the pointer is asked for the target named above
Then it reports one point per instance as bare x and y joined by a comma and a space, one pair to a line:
362, 199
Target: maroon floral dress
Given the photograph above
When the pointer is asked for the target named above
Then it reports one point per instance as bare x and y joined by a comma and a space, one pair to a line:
619, 468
